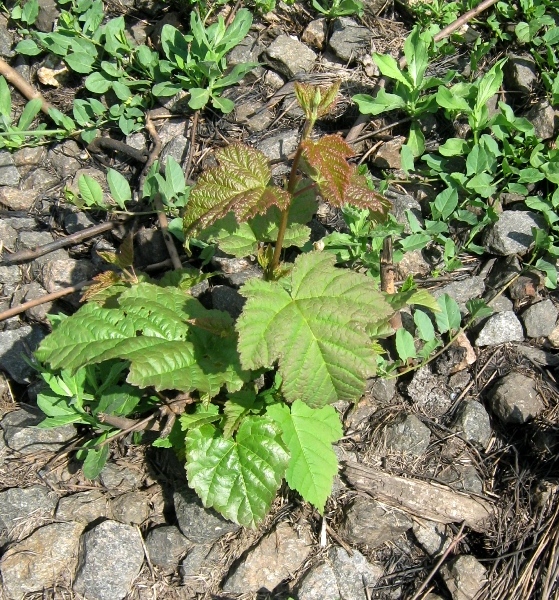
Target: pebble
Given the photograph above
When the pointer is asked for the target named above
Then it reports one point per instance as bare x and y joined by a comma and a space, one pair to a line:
500, 328
514, 399
464, 577
15, 343
472, 421
83, 507
540, 319
408, 435
165, 546
290, 57
512, 233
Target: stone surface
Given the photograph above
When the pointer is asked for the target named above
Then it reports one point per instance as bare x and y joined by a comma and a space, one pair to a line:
540, 319
149, 247
429, 392
353, 573
401, 203
77, 221
464, 577
514, 399
165, 546
9, 175
413, 263
33, 239
227, 299
544, 118
315, 33
463, 478
16, 199
200, 525
512, 233
500, 328
319, 583
289, 56
10, 275
178, 148
18, 506
349, 40
248, 51
237, 271
408, 434
14, 344
32, 291
388, 155
6, 39
48, 13
22, 434
462, 290
59, 274
382, 390
64, 158
432, 537
111, 556
130, 508
8, 235
520, 74
369, 522
279, 146
40, 180
46, 557
275, 557
472, 421
83, 507
254, 115
121, 478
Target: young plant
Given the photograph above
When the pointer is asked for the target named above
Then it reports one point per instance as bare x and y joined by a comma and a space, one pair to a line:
308, 327
339, 8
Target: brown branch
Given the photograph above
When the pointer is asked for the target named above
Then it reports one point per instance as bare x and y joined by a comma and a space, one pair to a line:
12, 312
194, 127
23, 86
362, 120
167, 237
62, 242
154, 152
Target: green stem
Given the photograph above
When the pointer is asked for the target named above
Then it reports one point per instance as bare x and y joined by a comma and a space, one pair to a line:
291, 186
32, 132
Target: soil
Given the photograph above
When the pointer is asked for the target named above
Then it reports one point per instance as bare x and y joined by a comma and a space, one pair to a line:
514, 471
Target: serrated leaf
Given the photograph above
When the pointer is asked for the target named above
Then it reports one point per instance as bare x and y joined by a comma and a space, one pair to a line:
316, 101
320, 313
235, 409
202, 416
309, 434
358, 193
152, 329
240, 477
404, 345
478, 308
240, 184
449, 318
326, 163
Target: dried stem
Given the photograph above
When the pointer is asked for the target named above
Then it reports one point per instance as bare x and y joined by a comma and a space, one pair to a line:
23, 86
167, 237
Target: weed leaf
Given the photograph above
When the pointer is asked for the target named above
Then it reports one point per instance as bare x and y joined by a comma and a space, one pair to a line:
308, 434
405, 345
449, 318
320, 313
237, 477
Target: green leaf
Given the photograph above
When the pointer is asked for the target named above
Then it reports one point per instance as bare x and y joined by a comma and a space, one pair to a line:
445, 204
389, 67
451, 101
156, 330
97, 83
240, 477
198, 98
223, 104
239, 184
28, 47
236, 408
80, 62
95, 461
405, 345
478, 309
174, 177
31, 110
424, 326
449, 318
309, 434
382, 102
320, 313
202, 416
119, 187
90, 191
483, 184
477, 161
454, 147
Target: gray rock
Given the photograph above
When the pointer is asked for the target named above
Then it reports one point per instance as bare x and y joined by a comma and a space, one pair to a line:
429, 392
178, 148
130, 508
29, 158
464, 577
46, 558
17, 343
9, 175
500, 328
195, 561
369, 522
19, 506
60, 274
289, 56
16, 199
121, 478
472, 421
514, 399
6, 39
172, 129
8, 235
248, 51
77, 221
275, 557
432, 537
20, 223
315, 33
40, 181
149, 247
254, 115
353, 573
544, 118
512, 233
165, 546
501, 304
413, 263
10, 275
83, 507
382, 390
64, 158
32, 291
462, 290
463, 478
200, 525
237, 271
22, 434
137, 140
540, 319
273, 81
319, 583
227, 299
360, 413
402, 203
408, 435
279, 146
388, 155
111, 556
521, 74
48, 13
349, 40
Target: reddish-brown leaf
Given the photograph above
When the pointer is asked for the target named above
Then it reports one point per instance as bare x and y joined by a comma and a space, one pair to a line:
103, 281
358, 194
